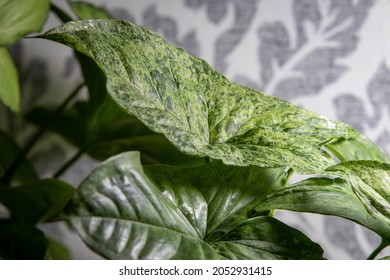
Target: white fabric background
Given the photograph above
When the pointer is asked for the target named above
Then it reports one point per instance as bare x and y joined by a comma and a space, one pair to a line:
332, 57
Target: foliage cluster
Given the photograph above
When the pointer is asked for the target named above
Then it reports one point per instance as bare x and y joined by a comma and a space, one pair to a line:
193, 165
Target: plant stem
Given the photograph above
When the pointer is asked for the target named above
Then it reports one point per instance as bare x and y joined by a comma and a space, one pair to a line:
69, 163
384, 243
19, 159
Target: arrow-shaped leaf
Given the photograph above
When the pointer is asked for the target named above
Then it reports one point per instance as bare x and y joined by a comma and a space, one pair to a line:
126, 211
196, 108
361, 193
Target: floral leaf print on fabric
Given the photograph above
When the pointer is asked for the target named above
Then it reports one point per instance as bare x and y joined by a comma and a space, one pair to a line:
355, 111
168, 27
325, 32
243, 15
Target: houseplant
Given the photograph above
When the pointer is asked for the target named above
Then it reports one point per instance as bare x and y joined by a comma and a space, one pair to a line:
214, 157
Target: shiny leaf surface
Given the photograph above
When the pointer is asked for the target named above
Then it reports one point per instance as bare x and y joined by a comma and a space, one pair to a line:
126, 211
360, 192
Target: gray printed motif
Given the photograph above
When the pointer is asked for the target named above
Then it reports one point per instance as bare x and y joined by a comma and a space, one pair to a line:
350, 109
343, 235
122, 13
379, 93
33, 75
168, 27
325, 30
216, 9
244, 13
353, 110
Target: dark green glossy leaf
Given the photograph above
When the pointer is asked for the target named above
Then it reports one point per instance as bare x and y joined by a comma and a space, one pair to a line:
87, 11
21, 241
110, 131
266, 238
361, 193
230, 193
20, 17
8, 152
37, 201
196, 108
360, 148
124, 211
9, 81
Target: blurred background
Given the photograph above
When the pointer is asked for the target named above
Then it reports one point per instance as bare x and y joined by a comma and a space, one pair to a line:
331, 57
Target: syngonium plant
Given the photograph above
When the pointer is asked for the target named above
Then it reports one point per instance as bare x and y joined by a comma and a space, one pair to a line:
193, 165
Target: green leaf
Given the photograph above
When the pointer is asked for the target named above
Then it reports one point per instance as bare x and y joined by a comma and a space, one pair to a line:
95, 81
103, 129
8, 152
266, 238
21, 241
87, 11
60, 13
9, 81
360, 148
361, 193
37, 201
125, 211
230, 193
110, 131
57, 251
196, 108
20, 17
385, 258
71, 124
